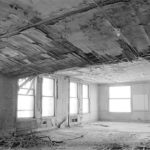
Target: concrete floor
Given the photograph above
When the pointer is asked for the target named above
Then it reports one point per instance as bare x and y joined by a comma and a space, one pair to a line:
101, 136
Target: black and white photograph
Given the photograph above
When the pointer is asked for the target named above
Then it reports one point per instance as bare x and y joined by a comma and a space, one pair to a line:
74, 74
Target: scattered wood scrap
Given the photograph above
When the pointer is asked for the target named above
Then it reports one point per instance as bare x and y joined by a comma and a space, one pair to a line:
103, 125
61, 123
78, 137
27, 141
119, 146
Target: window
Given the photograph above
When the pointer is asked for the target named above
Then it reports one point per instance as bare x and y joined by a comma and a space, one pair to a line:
85, 98
25, 106
120, 99
48, 97
73, 98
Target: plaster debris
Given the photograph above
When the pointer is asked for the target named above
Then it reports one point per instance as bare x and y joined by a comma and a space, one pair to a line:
27, 141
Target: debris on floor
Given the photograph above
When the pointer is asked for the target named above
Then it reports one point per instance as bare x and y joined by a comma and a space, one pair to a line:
78, 137
117, 136
27, 141
118, 146
103, 125
61, 123
113, 146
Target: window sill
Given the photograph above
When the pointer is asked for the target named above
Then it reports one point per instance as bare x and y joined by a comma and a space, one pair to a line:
34, 119
73, 115
48, 117
86, 113
120, 112
25, 119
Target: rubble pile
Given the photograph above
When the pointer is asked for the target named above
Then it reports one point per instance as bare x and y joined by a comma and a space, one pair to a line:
27, 141
116, 146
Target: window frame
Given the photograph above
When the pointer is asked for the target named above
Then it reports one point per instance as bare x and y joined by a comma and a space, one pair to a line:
54, 96
130, 99
34, 96
86, 98
74, 114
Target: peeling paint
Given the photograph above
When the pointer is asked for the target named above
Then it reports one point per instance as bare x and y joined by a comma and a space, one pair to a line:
80, 40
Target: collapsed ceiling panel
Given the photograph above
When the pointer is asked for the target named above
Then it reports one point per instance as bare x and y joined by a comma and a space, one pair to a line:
51, 35
90, 32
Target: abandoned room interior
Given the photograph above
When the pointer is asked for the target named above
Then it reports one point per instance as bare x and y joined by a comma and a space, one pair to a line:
75, 74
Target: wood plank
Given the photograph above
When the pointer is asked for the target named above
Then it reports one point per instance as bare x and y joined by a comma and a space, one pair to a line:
52, 21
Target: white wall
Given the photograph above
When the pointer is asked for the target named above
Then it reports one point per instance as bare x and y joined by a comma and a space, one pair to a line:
140, 103
93, 95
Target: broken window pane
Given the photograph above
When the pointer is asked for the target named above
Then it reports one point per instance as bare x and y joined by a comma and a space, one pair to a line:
25, 105
25, 92
27, 83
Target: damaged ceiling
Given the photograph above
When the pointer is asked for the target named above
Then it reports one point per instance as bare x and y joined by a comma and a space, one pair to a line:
101, 41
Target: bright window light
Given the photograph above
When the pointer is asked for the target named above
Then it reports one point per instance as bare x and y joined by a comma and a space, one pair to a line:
25, 105
48, 87
73, 98
120, 92
73, 89
48, 106
120, 99
85, 107
85, 98
73, 106
48, 97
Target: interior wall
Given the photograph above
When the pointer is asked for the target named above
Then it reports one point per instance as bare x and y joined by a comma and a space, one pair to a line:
140, 104
8, 106
93, 96
8, 97
61, 107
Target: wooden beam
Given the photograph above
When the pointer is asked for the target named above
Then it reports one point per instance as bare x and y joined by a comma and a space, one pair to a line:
52, 34
137, 13
129, 52
52, 21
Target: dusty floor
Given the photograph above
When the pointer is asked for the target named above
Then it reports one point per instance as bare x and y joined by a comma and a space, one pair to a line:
101, 136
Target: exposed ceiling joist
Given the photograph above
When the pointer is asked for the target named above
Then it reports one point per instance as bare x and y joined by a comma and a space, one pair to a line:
52, 21
129, 51
52, 34
110, 36
137, 13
